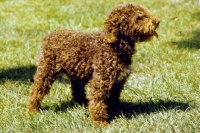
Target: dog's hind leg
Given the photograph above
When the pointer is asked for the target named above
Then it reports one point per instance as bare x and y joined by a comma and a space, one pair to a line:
78, 92
43, 79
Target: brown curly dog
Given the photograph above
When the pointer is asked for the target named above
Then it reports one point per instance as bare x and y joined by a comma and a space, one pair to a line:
102, 60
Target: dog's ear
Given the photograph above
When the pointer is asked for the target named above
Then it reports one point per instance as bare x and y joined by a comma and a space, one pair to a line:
111, 29
111, 37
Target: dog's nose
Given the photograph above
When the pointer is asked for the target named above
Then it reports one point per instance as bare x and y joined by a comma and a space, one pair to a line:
157, 22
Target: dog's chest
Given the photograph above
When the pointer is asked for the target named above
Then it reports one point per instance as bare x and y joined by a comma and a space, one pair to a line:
123, 75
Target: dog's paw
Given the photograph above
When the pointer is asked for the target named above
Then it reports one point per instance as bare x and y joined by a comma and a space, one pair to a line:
101, 123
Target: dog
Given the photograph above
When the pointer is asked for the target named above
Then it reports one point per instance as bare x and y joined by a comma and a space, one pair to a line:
101, 59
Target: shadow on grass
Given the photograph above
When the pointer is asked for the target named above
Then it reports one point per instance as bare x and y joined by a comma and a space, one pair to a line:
193, 41
128, 109
24, 73
62, 107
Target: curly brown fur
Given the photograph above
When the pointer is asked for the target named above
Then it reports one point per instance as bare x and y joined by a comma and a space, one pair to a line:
102, 60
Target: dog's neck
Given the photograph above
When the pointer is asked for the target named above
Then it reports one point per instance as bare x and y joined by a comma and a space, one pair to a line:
124, 48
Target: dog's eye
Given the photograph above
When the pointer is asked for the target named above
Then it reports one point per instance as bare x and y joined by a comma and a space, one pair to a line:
139, 18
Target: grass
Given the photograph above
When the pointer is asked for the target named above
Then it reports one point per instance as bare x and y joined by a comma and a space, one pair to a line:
161, 95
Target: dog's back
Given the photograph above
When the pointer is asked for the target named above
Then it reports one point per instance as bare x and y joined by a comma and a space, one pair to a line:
74, 52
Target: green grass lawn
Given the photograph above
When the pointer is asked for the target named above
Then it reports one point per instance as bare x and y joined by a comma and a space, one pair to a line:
161, 95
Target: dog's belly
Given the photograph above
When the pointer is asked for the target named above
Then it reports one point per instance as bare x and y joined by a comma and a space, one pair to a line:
77, 68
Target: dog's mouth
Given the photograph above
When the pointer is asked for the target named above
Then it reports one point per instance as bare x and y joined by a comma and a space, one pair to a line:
146, 37
152, 30
155, 34
152, 34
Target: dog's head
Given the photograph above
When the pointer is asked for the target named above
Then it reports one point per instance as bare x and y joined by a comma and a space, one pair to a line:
130, 20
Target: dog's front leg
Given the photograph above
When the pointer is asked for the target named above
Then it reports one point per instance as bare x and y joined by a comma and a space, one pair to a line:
99, 101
